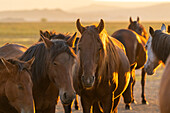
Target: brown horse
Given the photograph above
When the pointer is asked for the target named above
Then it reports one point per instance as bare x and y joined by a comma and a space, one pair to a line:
53, 36
158, 47
138, 28
135, 51
16, 86
102, 71
164, 91
51, 73
10, 51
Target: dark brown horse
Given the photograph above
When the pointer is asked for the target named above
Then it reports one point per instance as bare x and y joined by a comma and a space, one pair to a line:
135, 51
60, 36
138, 28
16, 86
102, 73
10, 51
164, 100
158, 47
51, 73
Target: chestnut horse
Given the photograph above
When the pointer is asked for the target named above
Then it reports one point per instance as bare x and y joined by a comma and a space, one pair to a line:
16, 86
51, 73
101, 73
10, 51
158, 47
164, 91
135, 51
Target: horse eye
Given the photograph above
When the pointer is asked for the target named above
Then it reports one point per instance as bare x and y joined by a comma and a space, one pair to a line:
20, 87
55, 63
146, 46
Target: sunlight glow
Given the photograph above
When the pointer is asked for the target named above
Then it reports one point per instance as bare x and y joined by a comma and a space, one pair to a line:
133, 0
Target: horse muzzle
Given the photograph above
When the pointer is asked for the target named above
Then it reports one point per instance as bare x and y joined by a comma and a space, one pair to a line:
88, 81
148, 70
67, 98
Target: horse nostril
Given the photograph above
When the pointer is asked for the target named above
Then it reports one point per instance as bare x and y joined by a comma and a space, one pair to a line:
82, 78
65, 95
93, 78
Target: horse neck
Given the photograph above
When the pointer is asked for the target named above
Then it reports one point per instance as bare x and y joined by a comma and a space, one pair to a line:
106, 68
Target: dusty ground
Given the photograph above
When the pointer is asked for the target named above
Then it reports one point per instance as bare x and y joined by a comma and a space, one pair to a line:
152, 91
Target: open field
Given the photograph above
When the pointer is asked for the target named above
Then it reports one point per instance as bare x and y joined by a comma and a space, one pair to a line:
28, 33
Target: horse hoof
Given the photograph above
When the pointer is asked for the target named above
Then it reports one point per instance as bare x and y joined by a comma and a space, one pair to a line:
145, 102
134, 102
77, 108
128, 107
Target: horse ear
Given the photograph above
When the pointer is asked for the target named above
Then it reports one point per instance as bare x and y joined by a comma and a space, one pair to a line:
138, 19
100, 27
7, 65
47, 34
29, 63
41, 32
130, 19
46, 41
163, 27
151, 31
71, 40
80, 28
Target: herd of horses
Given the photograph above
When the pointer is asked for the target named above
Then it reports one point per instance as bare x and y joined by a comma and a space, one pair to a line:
97, 67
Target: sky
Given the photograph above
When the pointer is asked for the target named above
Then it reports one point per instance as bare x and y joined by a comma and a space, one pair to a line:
68, 4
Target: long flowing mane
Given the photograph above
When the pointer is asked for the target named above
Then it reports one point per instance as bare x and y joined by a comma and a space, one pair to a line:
161, 45
43, 57
109, 60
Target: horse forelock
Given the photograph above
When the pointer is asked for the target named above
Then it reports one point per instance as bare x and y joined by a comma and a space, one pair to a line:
161, 45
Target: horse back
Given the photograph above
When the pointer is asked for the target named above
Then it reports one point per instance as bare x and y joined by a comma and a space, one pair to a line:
134, 45
9, 51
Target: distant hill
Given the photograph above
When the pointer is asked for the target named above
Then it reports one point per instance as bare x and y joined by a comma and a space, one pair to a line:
37, 15
157, 12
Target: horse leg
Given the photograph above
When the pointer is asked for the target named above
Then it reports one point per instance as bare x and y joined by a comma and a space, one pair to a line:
116, 102
107, 103
96, 107
127, 95
86, 104
144, 101
76, 103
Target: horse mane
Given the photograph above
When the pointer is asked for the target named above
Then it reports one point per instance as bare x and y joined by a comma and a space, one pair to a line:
161, 45
60, 36
43, 56
16, 62
109, 59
